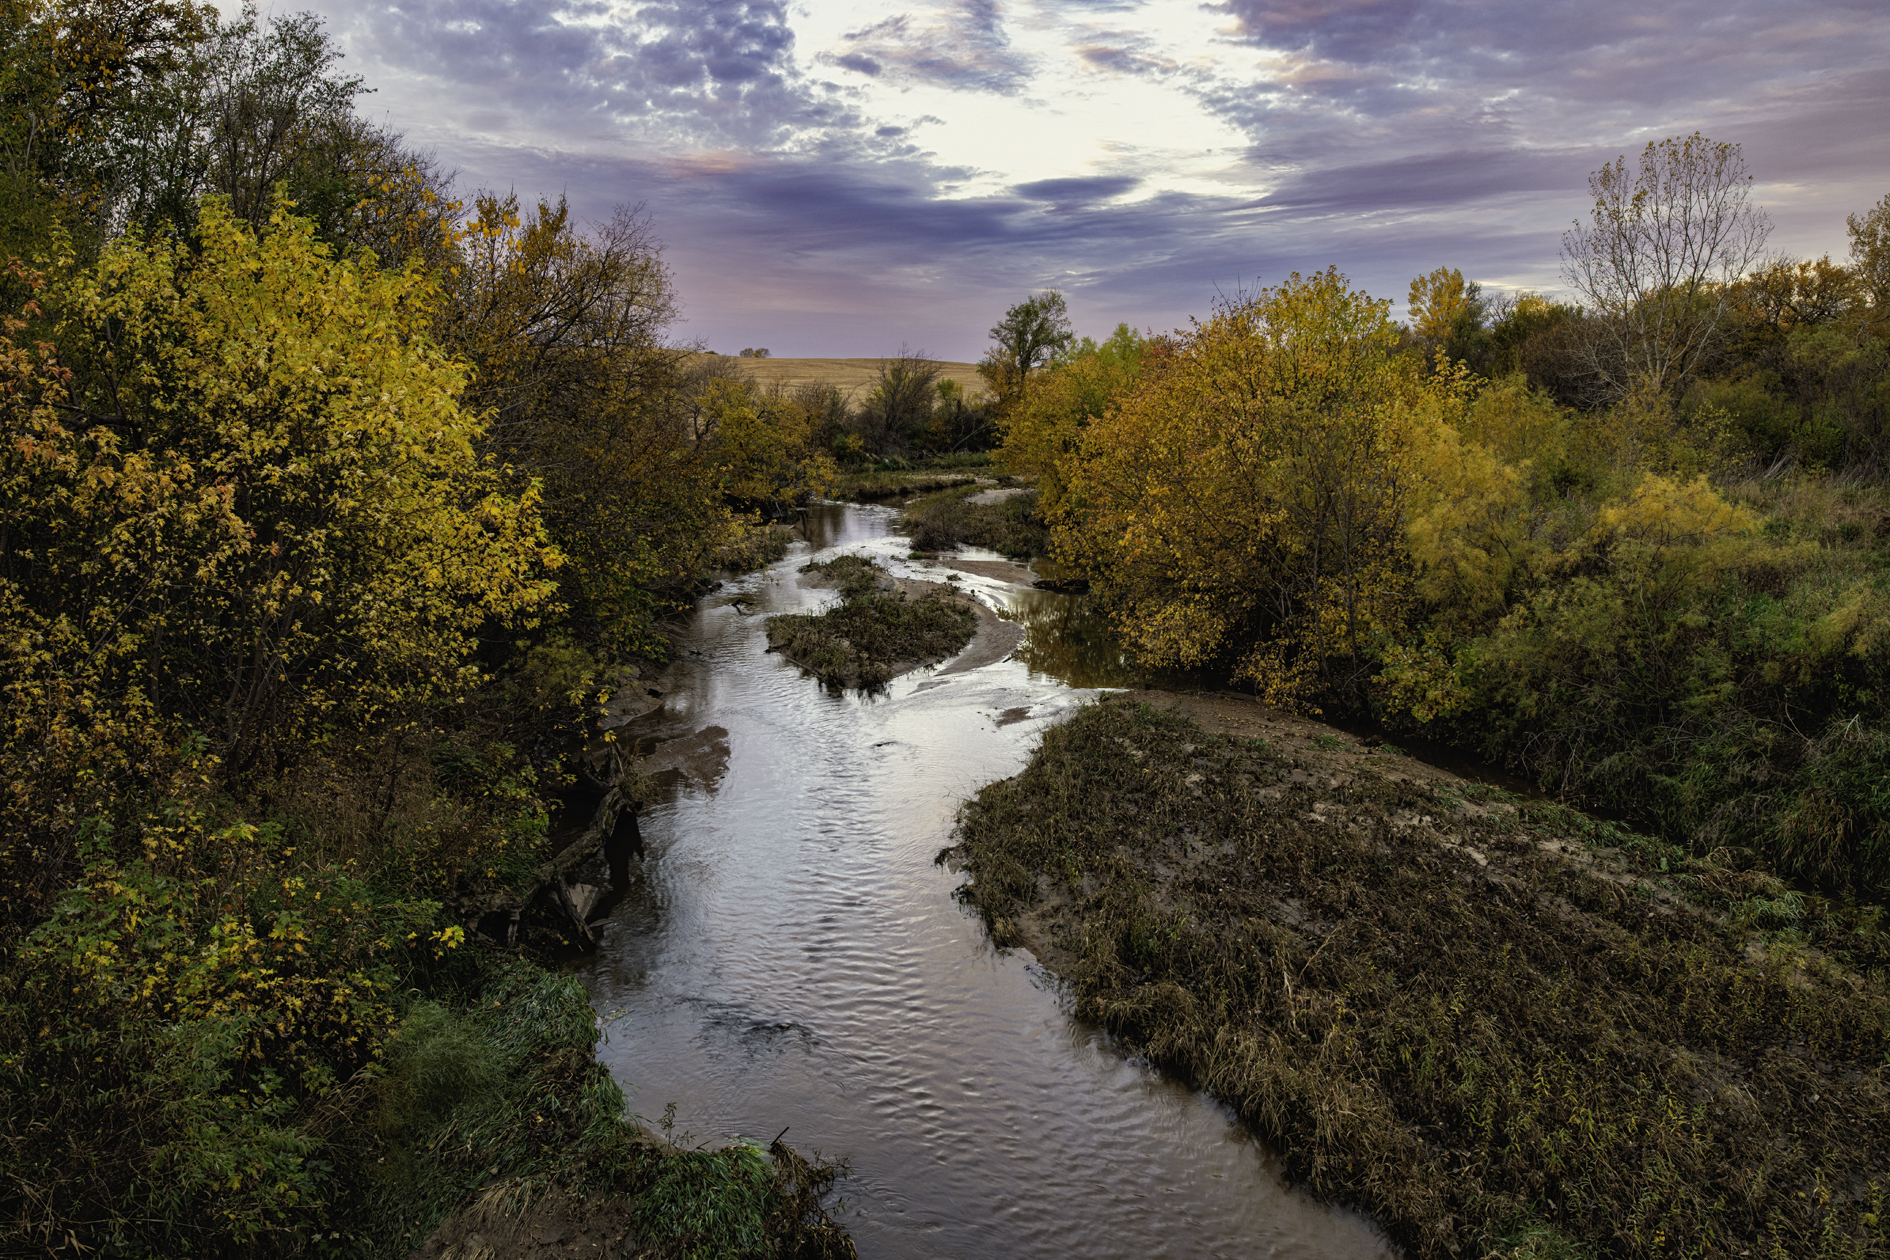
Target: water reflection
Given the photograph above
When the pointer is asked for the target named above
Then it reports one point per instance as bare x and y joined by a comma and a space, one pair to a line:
827, 525
789, 954
1069, 639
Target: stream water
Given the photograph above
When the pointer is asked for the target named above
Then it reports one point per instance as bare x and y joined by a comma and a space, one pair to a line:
789, 954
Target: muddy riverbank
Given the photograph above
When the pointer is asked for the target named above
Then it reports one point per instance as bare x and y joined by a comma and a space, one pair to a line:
1499, 1026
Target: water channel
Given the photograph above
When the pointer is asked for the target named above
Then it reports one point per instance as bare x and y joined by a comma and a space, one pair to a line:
789, 954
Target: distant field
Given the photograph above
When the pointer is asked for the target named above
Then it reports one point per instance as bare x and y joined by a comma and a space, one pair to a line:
851, 376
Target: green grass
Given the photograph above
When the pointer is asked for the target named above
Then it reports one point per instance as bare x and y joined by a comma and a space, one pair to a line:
1491, 1044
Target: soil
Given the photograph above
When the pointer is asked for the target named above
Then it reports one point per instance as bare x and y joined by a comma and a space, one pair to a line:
994, 639
1000, 570
853, 377
554, 1225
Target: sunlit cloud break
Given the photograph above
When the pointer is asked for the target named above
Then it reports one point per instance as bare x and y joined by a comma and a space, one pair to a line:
838, 178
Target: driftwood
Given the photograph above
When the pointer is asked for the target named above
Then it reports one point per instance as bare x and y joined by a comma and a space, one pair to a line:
604, 769
574, 903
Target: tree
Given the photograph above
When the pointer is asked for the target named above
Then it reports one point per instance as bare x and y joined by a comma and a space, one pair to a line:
1657, 264
1244, 506
1031, 333
582, 397
79, 83
1043, 432
1870, 255
900, 404
1446, 313
249, 497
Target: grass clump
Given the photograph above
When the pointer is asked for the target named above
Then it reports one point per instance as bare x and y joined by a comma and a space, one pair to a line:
874, 631
948, 519
1496, 1027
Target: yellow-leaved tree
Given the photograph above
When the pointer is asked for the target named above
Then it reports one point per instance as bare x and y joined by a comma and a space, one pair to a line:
1043, 429
244, 502
1244, 506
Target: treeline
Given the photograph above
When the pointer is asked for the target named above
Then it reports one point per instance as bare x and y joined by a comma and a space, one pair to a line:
1631, 545
332, 501
911, 411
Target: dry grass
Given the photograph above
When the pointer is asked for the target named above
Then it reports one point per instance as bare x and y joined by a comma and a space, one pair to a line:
853, 377
1497, 1026
949, 519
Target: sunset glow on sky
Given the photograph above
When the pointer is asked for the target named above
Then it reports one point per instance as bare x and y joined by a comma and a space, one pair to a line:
841, 178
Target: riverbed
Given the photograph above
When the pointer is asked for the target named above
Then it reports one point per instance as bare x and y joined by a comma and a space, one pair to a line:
788, 954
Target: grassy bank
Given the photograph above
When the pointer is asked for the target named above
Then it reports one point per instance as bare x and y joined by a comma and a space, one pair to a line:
948, 519
873, 487
874, 631
334, 1072
902, 478
1493, 1025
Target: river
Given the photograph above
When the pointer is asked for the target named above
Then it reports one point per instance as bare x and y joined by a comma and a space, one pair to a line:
789, 954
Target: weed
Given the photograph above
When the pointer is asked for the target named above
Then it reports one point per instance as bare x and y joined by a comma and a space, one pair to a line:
712, 1204
948, 519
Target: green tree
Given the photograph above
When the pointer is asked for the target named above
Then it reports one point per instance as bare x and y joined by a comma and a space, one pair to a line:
1870, 255
1032, 332
1244, 507
898, 409
80, 82
1447, 314
249, 496
1043, 432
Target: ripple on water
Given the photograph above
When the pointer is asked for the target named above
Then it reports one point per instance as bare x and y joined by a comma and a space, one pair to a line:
789, 955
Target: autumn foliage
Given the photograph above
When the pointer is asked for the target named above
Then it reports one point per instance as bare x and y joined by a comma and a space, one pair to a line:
329, 508
1636, 601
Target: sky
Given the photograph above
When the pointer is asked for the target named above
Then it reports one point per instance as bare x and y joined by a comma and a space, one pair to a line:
850, 177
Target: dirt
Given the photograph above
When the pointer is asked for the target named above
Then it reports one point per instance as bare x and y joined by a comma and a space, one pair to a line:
998, 570
701, 758
994, 640
854, 377
508, 1222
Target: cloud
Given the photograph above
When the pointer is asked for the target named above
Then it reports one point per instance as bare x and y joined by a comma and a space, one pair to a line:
688, 70
961, 46
1387, 137
1081, 190
1123, 54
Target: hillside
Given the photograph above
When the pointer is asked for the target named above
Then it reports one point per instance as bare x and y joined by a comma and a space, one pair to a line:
851, 376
